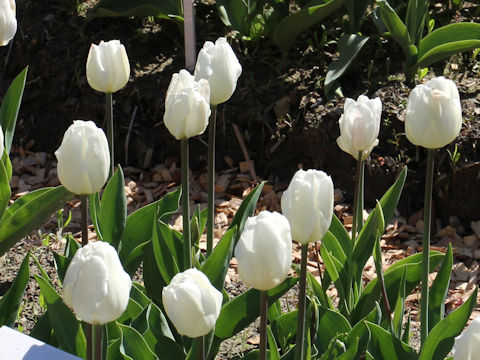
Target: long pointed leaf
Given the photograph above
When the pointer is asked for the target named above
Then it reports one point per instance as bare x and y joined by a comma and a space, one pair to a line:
10, 302
113, 209
18, 221
384, 345
11, 106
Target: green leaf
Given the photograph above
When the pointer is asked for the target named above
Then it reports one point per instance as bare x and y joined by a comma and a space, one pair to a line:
393, 276
363, 248
293, 25
67, 328
447, 41
438, 291
218, 262
94, 210
11, 106
319, 292
138, 229
285, 328
4, 188
134, 345
61, 265
242, 310
440, 340
331, 323
273, 353
349, 45
246, 209
384, 345
351, 353
399, 306
415, 18
338, 230
396, 27
389, 200
113, 209
29, 212
361, 333
10, 301
238, 14
334, 267
42, 330
356, 11
167, 249
7, 164
166, 9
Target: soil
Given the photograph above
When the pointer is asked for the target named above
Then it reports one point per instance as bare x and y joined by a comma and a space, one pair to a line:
279, 106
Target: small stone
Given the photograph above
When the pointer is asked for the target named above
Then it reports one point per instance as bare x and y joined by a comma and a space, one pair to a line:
470, 240
461, 271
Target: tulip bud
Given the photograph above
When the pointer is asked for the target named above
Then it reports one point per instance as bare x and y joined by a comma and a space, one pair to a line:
308, 205
359, 126
434, 114
218, 65
186, 106
95, 284
467, 344
8, 21
192, 303
83, 158
108, 68
264, 251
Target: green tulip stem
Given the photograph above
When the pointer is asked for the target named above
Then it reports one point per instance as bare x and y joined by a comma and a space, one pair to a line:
211, 179
427, 210
98, 339
84, 210
263, 324
301, 304
187, 243
89, 337
109, 116
357, 222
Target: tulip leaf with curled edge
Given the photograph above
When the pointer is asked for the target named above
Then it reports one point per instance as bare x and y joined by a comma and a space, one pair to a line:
113, 209
334, 268
4, 188
446, 41
246, 209
361, 333
138, 229
167, 249
166, 9
440, 340
134, 345
131, 312
68, 329
438, 291
338, 230
331, 323
10, 301
285, 328
399, 306
218, 262
61, 265
29, 212
7, 164
319, 292
371, 294
349, 45
384, 345
11, 106
293, 25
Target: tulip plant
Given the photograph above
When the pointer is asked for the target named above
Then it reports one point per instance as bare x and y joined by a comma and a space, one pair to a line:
181, 310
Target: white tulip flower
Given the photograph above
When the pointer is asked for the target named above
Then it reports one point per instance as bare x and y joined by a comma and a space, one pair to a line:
467, 344
187, 107
83, 158
108, 68
434, 114
264, 251
95, 284
308, 205
192, 303
359, 126
218, 65
8, 21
